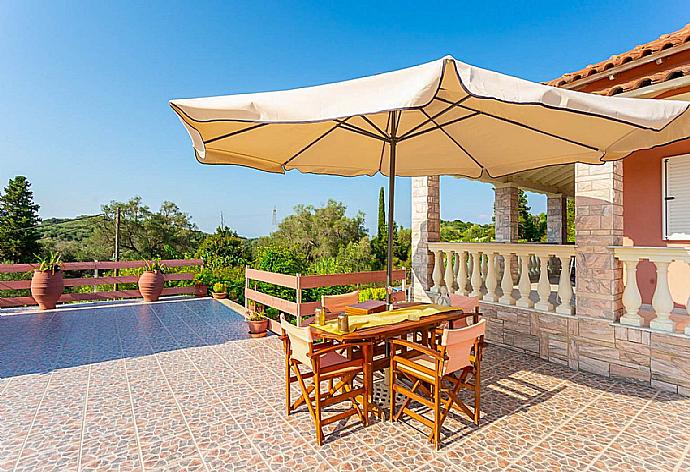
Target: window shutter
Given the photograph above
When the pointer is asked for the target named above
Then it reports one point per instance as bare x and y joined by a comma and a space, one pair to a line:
677, 197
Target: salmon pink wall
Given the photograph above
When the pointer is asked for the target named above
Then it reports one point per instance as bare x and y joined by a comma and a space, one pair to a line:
642, 217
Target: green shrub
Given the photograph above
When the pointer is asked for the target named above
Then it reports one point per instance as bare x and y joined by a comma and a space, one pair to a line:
220, 287
372, 293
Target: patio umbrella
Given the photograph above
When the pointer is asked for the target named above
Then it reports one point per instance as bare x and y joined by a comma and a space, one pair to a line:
440, 118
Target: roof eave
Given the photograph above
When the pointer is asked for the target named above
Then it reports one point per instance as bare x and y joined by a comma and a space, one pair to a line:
624, 67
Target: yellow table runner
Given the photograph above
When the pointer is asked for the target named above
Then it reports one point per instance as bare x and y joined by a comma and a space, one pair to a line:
372, 320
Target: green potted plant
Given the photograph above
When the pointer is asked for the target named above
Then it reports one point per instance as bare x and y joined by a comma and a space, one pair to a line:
152, 280
47, 283
220, 291
202, 280
257, 322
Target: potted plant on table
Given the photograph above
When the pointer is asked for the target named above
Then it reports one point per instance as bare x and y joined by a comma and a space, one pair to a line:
47, 283
152, 280
202, 280
220, 291
257, 322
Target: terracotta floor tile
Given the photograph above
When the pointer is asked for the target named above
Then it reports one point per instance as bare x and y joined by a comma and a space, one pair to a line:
179, 385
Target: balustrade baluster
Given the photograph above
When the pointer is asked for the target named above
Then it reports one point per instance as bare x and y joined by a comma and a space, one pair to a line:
491, 280
454, 287
632, 300
662, 300
437, 274
544, 287
524, 285
449, 279
565, 289
507, 281
461, 274
476, 279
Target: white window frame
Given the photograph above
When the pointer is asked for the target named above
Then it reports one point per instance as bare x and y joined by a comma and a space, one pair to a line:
664, 208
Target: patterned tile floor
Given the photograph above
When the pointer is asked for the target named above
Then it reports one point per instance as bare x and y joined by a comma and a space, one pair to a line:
178, 386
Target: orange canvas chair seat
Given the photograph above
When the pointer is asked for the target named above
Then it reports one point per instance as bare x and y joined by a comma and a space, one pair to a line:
437, 374
334, 304
305, 360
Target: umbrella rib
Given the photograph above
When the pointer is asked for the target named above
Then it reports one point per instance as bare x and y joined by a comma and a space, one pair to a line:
455, 141
432, 118
338, 125
373, 125
447, 123
383, 147
228, 135
358, 130
522, 125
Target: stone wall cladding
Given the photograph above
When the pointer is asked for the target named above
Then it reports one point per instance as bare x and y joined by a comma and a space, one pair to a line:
556, 219
594, 345
598, 225
426, 228
506, 213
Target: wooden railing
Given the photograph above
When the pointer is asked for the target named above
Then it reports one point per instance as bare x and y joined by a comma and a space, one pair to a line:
95, 266
662, 301
298, 308
494, 272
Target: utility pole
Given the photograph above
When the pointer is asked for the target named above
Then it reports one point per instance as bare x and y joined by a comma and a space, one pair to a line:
117, 244
222, 222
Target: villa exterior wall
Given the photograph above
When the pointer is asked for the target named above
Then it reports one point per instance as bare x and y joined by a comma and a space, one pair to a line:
594, 345
642, 218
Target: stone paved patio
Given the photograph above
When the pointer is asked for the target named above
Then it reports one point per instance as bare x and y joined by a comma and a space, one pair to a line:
178, 386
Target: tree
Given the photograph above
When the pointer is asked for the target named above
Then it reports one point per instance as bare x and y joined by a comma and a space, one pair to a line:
531, 228
466, 231
379, 243
18, 222
167, 233
381, 229
402, 248
571, 220
224, 248
318, 233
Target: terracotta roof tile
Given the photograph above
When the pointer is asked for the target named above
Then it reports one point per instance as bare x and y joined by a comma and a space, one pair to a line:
665, 41
653, 79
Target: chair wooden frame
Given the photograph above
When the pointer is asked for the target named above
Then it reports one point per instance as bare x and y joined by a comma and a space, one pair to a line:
340, 384
431, 387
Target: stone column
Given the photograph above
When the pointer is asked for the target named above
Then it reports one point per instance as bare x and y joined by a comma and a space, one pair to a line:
426, 228
506, 212
556, 218
506, 215
598, 225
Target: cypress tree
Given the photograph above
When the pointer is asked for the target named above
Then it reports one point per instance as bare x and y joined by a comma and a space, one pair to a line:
382, 215
18, 222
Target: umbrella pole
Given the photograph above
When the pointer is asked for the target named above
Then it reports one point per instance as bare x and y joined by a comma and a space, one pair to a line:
391, 205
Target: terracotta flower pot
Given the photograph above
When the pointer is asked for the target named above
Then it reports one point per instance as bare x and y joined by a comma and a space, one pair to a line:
219, 295
46, 288
151, 285
200, 291
258, 329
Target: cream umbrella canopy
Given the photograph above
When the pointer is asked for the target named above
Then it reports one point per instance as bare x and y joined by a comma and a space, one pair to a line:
440, 118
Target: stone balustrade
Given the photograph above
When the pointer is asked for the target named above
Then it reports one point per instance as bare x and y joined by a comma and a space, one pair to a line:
505, 273
662, 301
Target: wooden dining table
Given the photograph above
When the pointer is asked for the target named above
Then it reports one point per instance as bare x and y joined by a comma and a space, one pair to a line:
424, 328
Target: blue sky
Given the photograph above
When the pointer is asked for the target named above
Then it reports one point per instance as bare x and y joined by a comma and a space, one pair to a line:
84, 88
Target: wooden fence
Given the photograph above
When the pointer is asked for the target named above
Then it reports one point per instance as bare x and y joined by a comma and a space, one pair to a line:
298, 282
95, 267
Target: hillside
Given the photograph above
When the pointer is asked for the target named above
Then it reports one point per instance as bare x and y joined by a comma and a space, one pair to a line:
68, 229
